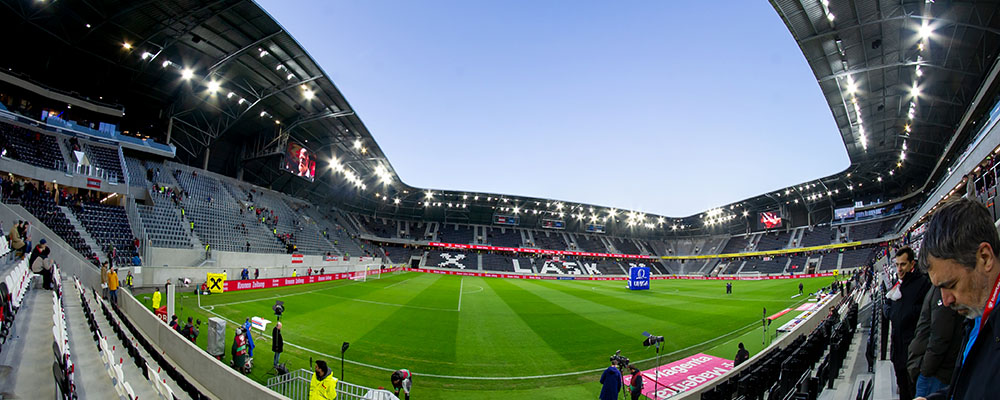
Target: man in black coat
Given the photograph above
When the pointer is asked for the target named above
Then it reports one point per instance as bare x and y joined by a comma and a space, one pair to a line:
935, 347
961, 253
904, 312
277, 343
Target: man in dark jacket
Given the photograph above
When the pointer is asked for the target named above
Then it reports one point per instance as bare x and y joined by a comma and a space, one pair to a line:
961, 253
741, 355
611, 381
904, 312
277, 343
935, 346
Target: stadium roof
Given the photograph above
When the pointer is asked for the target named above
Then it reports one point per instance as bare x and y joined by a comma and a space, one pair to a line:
230, 87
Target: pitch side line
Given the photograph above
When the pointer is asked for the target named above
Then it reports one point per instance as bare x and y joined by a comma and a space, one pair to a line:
486, 378
461, 285
388, 304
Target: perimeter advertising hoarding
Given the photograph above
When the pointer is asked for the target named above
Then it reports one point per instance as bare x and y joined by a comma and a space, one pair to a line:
299, 161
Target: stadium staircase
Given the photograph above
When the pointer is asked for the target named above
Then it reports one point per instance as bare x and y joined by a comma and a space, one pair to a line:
87, 239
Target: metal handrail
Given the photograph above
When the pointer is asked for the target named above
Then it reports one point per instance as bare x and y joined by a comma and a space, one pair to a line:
295, 386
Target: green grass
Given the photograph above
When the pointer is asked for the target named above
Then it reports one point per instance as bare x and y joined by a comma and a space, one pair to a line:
505, 328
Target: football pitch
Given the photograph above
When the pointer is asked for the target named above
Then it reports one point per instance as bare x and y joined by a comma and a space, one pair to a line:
480, 338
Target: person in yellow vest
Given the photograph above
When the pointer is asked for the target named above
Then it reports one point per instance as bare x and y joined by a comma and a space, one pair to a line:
128, 281
294, 273
113, 285
323, 385
156, 299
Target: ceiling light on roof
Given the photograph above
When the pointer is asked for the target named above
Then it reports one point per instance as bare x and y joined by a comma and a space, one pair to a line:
309, 94
925, 30
242, 100
126, 45
852, 88
263, 53
357, 143
166, 63
919, 71
904, 146
187, 73
830, 16
289, 77
263, 114
880, 179
230, 95
395, 201
146, 55
915, 91
279, 67
277, 122
213, 86
88, 25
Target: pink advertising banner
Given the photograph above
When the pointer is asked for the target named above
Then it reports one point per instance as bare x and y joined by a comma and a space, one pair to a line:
681, 375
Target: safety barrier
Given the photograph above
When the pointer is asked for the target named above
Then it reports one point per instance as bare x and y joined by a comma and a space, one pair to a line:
295, 386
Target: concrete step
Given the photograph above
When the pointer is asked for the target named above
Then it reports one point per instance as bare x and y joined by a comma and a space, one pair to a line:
91, 378
133, 376
28, 351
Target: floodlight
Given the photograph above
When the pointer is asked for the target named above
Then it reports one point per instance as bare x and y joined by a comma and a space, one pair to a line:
127, 45
187, 74
146, 55
915, 91
309, 94
213, 86
925, 31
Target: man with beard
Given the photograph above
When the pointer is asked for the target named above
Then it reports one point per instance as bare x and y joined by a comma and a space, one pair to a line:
961, 253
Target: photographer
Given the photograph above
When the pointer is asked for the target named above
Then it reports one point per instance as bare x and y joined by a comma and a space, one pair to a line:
635, 385
611, 381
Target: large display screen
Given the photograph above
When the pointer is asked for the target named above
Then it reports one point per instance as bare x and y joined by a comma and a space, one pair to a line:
770, 219
299, 161
505, 219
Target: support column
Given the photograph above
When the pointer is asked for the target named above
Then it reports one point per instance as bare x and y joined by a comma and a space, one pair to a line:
170, 129
204, 165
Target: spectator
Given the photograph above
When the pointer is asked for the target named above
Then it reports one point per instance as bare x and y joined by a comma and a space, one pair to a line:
611, 382
40, 264
173, 323
294, 273
104, 280
113, 285
741, 355
961, 253
904, 311
188, 330
277, 343
256, 273
16, 240
322, 386
935, 345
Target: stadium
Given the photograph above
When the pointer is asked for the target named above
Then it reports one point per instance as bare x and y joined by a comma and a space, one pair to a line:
189, 159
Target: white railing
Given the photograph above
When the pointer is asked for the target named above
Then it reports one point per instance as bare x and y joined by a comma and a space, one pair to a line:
295, 386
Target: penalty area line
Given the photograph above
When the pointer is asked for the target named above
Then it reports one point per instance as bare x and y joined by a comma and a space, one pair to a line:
461, 286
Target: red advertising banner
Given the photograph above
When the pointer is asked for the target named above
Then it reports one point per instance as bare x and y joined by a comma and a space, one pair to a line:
231, 285
94, 183
297, 258
538, 251
289, 281
602, 278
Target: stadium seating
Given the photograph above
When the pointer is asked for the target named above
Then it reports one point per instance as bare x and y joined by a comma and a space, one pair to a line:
453, 259
857, 258
455, 233
625, 246
773, 266
872, 230
817, 236
109, 226
379, 226
509, 237
34, 148
549, 240
162, 223
501, 262
107, 159
773, 241
401, 255
736, 244
41, 205
829, 261
590, 243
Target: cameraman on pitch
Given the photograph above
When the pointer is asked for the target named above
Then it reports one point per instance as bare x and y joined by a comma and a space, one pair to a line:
611, 380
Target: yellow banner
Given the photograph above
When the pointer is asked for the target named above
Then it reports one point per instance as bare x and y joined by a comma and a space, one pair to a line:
764, 253
216, 282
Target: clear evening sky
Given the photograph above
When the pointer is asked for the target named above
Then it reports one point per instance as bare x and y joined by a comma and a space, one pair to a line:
667, 107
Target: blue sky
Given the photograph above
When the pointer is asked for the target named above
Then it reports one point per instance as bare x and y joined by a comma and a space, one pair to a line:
668, 107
